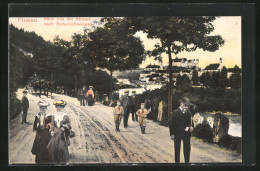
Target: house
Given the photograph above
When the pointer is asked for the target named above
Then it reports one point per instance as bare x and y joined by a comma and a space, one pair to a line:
183, 62
214, 67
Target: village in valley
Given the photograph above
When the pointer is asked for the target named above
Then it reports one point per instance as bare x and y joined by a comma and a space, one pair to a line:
156, 75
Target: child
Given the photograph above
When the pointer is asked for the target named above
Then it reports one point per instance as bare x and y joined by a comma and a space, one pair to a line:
142, 113
118, 113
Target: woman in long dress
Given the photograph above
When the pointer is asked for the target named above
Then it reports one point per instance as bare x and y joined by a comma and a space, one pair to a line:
41, 126
60, 131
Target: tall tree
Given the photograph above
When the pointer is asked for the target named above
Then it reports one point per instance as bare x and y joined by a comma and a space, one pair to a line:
113, 48
235, 78
177, 34
223, 78
195, 77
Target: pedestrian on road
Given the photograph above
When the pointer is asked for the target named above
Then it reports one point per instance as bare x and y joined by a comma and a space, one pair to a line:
82, 96
25, 106
42, 125
134, 106
180, 126
142, 113
90, 96
118, 114
60, 131
125, 102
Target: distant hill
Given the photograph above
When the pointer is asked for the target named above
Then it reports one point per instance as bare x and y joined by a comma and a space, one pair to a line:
29, 42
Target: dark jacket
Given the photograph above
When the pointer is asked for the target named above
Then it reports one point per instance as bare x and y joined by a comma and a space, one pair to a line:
178, 122
125, 102
134, 104
25, 103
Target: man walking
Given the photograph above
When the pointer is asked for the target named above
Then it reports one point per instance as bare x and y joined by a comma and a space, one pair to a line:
180, 126
125, 102
25, 106
82, 95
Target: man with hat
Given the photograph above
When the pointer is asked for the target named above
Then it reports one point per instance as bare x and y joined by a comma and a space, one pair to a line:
118, 113
134, 106
125, 102
142, 113
25, 106
181, 126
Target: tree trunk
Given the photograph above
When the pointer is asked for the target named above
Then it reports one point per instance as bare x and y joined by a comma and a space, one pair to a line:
170, 83
76, 84
110, 85
51, 76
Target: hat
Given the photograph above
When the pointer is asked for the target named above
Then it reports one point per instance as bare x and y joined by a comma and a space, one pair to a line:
60, 103
126, 91
25, 91
185, 100
43, 104
133, 92
90, 86
142, 103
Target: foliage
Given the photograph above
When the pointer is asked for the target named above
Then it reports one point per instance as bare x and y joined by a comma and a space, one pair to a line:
203, 131
207, 99
114, 48
230, 142
15, 105
20, 69
195, 77
130, 74
176, 34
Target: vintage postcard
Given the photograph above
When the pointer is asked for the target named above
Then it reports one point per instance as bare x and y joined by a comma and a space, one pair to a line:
115, 90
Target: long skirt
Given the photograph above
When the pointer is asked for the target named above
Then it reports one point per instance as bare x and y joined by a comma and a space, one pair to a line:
58, 148
40, 143
90, 100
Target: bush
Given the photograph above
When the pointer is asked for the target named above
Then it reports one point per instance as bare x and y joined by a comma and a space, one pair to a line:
203, 131
230, 142
15, 106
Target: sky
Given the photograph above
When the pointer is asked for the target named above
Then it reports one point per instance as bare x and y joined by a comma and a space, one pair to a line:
229, 27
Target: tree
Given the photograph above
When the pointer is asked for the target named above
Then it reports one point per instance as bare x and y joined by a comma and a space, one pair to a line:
113, 48
195, 77
214, 79
207, 79
176, 34
222, 83
185, 83
235, 78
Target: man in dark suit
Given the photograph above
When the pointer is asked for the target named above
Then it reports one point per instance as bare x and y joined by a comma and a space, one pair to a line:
125, 102
180, 126
25, 106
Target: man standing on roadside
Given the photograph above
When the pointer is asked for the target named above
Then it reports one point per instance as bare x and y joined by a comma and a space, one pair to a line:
180, 125
25, 106
134, 106
125, 102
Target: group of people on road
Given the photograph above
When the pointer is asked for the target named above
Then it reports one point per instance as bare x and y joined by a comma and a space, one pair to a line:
129, 104
180, 122
87, 96
53, 133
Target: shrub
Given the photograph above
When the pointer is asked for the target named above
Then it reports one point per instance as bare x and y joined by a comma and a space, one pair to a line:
203, 131
230, 142
15, 106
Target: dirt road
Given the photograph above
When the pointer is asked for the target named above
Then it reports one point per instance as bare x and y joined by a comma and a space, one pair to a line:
97, 141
